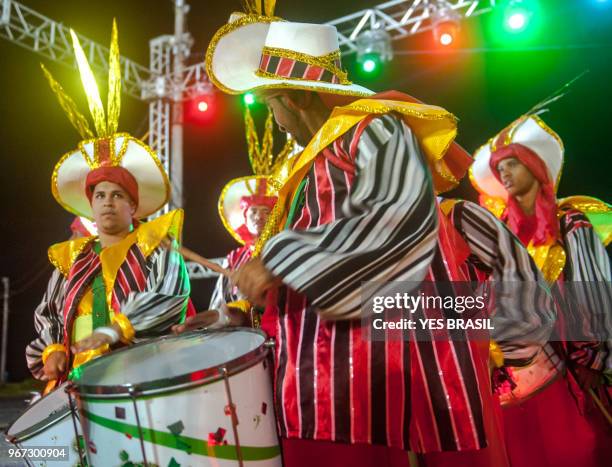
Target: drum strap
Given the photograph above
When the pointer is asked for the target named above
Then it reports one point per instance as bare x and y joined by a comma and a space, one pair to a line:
100, 316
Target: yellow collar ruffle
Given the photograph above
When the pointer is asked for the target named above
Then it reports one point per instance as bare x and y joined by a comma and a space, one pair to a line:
147, 236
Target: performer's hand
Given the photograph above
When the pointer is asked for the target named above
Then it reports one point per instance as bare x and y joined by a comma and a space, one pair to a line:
55, 366
208, 318
254, 281
200, 320
94, 341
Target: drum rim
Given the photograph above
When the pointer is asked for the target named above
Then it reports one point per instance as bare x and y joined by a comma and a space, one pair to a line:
39, 427
184, 381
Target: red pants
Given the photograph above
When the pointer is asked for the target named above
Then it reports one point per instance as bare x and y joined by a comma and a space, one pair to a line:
549, 431
308, 453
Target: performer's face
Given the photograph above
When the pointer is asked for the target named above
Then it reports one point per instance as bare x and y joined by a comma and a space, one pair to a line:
256, 218
112, 208
287, 111
515, 176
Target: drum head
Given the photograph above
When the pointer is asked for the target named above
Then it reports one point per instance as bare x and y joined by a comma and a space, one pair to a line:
170, 361
41, 414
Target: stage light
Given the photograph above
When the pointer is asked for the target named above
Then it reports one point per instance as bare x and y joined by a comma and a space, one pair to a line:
201, 109
373, 49
446, 39
369, 65
249, 98
517, 21
445, 23
517, 15
202, 106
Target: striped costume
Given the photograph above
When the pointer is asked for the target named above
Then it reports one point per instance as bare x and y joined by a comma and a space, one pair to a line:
586, 262
149, 283
560, 425
368, 212
224, 292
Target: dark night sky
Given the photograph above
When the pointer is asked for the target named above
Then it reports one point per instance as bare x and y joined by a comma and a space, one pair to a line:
485, 89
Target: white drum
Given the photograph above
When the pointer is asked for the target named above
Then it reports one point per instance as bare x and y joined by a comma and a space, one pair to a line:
47, 423
168, 402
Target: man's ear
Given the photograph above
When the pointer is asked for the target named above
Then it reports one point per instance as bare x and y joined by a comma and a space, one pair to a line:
299, 100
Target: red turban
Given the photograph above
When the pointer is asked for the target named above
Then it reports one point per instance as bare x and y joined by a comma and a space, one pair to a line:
257, 200
118, 175
543, 226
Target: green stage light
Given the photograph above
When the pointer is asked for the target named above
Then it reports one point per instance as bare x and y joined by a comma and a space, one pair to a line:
518, 15
249, 98
369, 65
517, 21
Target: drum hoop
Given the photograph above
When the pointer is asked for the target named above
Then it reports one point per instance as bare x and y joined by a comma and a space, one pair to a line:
39, 427
188, 380
513, 402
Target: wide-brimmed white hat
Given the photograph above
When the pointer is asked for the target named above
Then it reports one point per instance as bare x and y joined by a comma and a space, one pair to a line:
255, 52
529, 131
110, 151
125, 151
237, 195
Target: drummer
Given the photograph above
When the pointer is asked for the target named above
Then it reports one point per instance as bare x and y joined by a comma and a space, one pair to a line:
517, 174
244, 207
121, 285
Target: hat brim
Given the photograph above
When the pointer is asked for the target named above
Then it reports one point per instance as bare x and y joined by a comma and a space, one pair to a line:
70, 173
230, 211
234, 54
482, 176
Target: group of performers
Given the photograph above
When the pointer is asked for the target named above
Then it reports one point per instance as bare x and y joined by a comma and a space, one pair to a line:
360, 203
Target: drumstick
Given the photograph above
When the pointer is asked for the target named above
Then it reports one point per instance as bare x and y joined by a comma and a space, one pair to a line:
50, 386
600, 406
193, 256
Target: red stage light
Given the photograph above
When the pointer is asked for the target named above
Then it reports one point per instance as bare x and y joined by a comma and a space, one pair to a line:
201, 110
446, 33
202, 106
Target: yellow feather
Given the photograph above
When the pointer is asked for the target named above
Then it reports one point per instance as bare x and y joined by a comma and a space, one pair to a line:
90, 86
253, 7
269, 6
76, 118
114, 84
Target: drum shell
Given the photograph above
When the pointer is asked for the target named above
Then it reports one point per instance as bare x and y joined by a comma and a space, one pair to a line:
55, 431
191, 424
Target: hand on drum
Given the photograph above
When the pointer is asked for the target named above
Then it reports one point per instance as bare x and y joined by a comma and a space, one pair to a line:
55, 366
254, 281
210, 318
200, 320
94, 341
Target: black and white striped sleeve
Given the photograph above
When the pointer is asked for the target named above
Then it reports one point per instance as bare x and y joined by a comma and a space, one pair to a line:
587, 259
221, 291
48, 323
164, 301
387, 229
589, 292
523, 311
